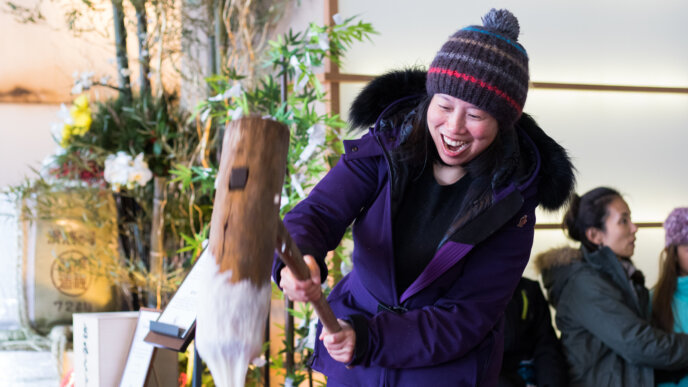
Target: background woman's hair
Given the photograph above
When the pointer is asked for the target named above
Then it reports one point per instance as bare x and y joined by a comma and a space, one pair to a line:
589, 210
662, 311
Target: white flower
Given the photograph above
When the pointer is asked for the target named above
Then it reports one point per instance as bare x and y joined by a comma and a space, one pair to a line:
288, 382
104, 79
125, 72
121, 170
139, 172
117, 169
64, 115
337, 18
82, 81
56, 131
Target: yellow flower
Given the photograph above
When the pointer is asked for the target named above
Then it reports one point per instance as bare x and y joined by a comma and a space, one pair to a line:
66, 135
81, 102
81, 115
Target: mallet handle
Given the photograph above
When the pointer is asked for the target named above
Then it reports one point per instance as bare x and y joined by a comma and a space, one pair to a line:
291, 256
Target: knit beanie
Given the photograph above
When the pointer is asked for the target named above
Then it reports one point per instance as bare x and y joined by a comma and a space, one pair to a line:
485, 66
676, 227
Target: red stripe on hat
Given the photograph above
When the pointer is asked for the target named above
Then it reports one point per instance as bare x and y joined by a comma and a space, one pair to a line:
478, 82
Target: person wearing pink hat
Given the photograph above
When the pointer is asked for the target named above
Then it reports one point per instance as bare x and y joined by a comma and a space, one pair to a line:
670, 296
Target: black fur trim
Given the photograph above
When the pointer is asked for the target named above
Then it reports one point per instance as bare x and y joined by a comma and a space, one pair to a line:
557, 173
382, 91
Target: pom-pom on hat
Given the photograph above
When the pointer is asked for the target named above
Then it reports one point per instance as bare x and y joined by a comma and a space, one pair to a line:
485, 66
676, 227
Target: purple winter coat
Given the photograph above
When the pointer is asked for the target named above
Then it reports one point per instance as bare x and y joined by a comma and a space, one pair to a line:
446, 329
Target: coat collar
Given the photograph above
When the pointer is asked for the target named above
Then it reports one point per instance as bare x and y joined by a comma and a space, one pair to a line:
605, 261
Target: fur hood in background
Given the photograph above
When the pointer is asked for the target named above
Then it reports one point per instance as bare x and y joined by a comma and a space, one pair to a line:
557, 266
559, 256
557, 174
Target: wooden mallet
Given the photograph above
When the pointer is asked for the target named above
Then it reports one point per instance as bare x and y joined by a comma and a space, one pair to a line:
245, 231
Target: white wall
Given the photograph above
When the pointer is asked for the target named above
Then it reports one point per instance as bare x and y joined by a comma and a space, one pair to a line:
24, 142
631, 141
25, 139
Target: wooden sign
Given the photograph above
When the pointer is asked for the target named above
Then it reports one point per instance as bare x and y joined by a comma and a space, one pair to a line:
175, 327
147, 365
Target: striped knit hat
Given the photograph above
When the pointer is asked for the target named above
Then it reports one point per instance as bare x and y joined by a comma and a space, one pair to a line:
485, 66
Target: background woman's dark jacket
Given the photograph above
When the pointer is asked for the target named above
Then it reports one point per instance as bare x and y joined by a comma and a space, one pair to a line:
529, 335
604, 320
446, 327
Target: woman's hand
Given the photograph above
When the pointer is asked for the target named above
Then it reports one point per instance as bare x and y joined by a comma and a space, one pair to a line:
340, 345
302, 291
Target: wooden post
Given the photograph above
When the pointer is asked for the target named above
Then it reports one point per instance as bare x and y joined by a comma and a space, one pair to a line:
156, 255
331, 69
332, 106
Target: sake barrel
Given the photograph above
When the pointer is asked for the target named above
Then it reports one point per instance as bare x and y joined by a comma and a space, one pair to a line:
68, 252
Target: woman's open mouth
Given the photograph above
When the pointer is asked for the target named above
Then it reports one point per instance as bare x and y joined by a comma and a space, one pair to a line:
453, 147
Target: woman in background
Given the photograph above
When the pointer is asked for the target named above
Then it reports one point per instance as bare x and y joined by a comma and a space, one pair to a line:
670, 296
602, 305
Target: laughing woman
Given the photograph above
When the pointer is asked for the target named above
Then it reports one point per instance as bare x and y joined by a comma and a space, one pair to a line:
603, 309
441, 193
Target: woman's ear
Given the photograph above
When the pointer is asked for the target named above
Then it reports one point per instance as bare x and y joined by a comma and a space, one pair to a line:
594, 235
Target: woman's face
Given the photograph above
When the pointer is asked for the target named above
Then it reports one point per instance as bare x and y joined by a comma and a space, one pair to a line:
619, 230
682, 252
459, 129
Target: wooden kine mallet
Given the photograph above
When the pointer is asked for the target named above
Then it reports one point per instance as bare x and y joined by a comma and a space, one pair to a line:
245, 230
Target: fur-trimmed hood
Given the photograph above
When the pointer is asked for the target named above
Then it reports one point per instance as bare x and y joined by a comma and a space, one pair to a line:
557, 266
560, 256
557, 174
